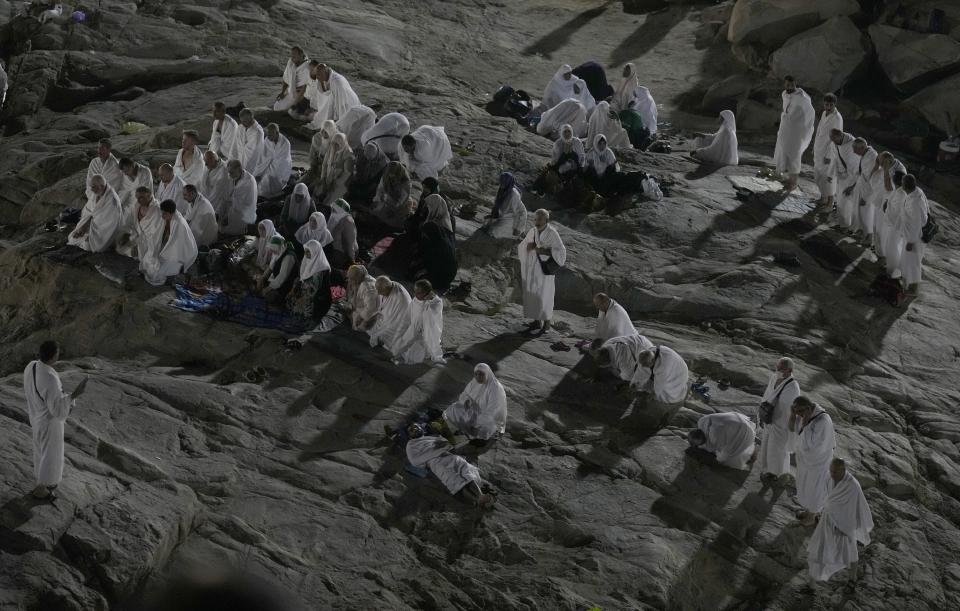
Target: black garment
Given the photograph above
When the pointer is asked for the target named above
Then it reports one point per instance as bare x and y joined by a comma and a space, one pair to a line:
280, 295
596, 78
437, 259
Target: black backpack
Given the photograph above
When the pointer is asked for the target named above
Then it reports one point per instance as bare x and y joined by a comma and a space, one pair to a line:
888, 289
929, 230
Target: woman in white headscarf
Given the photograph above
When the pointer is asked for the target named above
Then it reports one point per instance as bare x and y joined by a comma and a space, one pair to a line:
387, 132
631, 95
310, 297
569, 112
297, 209
558, 89
481, 411
337, 169
315, 229
265, 231
567, 157
605, 121
600, 161
582, 94
319, 146
357, 121
721, 147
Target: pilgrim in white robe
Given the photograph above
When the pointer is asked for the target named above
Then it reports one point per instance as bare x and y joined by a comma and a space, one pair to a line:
721, 147
335, 171
143, 178
512, 220
796, 131
598, 161
319, 145
538, 288
453, 470
109, 168
249, 145
632, 95
582, 94
421, 341
891, 239
730, 436
330, 102
47, 407
315, 229
615, 322
913, 217
481, 410
573, 146
217, 186
844, 170
846, 520
142, 234
568, 112
265, 230
392, 318
605, 121
224, 138
879, 196
202, 220
431, 155
190, 173
776, 438
294, 77
815, 443
242, 210
170, 257
101, 217
172, 190
274, 166
625, 358
558, 89
356, 122
864, 217
668, 376
823, 152
362, 301
387, 133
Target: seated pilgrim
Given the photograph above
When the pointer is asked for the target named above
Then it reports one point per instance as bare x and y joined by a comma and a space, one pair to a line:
297, 211
315, 229
369, 165
605, 121
223, 134
106, 165
664, 374
453, 470
330, 95
481, 411
344, 231
558, 89
566, 162
508, 216
601, 170
721, 147
319, 145
134, 175
249, 141
242, 210
275, 283
428, 186
568, 113
421, 340
265, 231
170, 187
189, 164
392, 314
310, 298
362, 299
216, 184
274, 165
612, 319
177, 250
436, 253
142, 226
387, 133
355, 123
635, 106
622, 356
391, 205
844, 522
729, 436
296, 77
335, 171
200, 216
425, 152
99, 219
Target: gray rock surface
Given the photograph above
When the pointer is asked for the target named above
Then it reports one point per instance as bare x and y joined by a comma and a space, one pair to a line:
772, 22
911, 58
824, 57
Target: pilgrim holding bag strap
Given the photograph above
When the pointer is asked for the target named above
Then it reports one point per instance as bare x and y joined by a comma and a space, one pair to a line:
550, 266
767, 408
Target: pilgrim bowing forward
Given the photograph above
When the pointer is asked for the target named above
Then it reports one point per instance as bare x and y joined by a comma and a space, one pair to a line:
795, 133
622, 356
727, 435
425, 152
541, 252
666, 374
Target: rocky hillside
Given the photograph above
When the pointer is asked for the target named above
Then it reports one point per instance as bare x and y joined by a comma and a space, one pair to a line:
205, 443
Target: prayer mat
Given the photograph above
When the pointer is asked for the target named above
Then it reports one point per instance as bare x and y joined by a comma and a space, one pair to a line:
247, 310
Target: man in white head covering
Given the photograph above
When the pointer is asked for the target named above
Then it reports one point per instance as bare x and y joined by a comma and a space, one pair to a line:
481, 411
568, 113
330, 95
176, 251
845, 521
559, 88
224, 134
189, 164
362, 299
541, 252
249, 141
421, 340
216, 184
142, 226
729, 436
242, 210
392, 314
823, 150
170, 187
605, 121
913, 217
200, 216
296, 77
795, 133
99, 219
814, 445
667, 374
721, 147
612, 319
622, 356
106, 165
314, 229
387, 133
47, 407
134, 175
453, 471
275, 165
425, 152
774, 416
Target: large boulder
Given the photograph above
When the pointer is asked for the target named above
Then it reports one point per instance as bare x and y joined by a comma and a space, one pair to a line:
939, 104
910, 58
772, 22
823, 58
